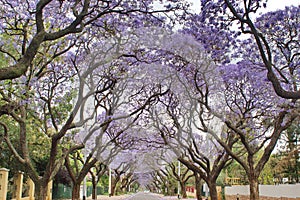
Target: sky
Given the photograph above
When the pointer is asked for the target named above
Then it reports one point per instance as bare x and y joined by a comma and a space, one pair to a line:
272, 5
279, 4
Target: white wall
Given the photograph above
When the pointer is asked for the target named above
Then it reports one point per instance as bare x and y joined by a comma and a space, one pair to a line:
286, 190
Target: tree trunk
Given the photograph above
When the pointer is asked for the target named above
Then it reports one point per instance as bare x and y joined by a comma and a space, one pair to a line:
114, 185
198, 187
213, 190
183, 191
76, 191
253, 175
165, 190
171, 191
41, 192
113, 188
94, 193
254, 189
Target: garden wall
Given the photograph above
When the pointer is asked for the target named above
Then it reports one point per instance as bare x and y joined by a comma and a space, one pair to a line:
267, 192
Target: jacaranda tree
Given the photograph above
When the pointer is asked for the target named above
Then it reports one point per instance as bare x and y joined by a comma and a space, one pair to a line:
274, 37
66, 64
44, 44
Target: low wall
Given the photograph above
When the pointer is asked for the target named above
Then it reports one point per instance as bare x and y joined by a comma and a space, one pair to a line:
276, 191
243, 197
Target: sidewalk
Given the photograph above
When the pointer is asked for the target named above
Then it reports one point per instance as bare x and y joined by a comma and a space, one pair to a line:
174, 197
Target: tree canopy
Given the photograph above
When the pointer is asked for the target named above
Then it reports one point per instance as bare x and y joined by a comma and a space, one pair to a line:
120, 80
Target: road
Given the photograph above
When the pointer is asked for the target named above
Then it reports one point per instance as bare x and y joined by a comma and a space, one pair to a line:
139, 196
144, 196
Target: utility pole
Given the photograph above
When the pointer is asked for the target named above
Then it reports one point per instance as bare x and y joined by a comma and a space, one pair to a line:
109, 182
179, 173
84, 159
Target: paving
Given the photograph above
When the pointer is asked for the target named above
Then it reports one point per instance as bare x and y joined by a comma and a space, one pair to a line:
144, 196
139, 196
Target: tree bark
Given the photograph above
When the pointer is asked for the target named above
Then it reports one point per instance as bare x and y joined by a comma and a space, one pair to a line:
76, 191
183, 191
213, 190
198, 187
40, 192
94, 192
254, 189
113, 189
114, 186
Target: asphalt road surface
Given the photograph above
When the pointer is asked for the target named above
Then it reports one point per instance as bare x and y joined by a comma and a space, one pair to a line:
144, 196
